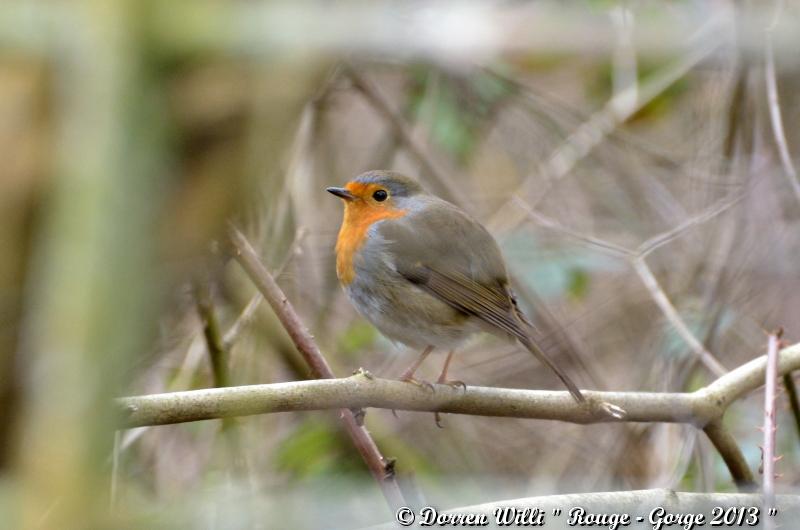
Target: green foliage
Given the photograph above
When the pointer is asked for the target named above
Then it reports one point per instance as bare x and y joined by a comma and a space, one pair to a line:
359, 335
600, 88
317, 448
578, 283
454, 109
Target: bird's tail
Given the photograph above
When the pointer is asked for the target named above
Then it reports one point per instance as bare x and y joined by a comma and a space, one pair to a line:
531, 346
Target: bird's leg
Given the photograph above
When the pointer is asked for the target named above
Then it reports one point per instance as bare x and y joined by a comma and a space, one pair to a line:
444, 381
443, 377
408, 375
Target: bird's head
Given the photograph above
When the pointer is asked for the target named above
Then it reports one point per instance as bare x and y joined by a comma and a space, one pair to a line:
377, 193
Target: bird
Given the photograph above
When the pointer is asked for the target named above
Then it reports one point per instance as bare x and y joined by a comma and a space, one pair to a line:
424, 272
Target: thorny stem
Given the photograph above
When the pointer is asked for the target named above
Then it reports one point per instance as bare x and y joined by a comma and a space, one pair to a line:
768, 456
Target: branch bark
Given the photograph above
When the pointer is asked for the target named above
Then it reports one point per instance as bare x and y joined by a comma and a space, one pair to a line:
363, 390
703, 408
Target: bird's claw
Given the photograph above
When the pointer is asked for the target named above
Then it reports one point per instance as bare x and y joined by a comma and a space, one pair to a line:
452, 383
438, 419
421, 384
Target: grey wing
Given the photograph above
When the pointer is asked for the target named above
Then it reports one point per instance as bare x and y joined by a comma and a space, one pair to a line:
445, 238
447, 253
455, 259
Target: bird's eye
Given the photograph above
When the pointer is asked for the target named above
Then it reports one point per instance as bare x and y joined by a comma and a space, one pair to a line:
380, 195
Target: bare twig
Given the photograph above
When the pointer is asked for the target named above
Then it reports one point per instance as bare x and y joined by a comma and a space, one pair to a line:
700, 408
709, 213
662, 300
217, 353
403, 131
617, 110
377, 464
249, 311
637, 260
768, 456
775, 106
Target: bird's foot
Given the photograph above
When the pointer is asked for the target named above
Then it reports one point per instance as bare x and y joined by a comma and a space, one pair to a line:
419, 383
452, 383
438, 419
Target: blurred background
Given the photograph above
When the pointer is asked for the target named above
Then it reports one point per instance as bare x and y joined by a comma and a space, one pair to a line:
131, 131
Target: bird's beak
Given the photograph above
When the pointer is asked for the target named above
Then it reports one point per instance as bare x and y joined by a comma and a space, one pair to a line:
341, 192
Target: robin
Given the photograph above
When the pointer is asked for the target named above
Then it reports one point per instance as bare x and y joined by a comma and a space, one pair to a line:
424, 272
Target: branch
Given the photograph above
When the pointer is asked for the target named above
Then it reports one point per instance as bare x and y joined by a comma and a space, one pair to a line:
703, 408
663, 302
217, 352
363, 390
403, 131
637, 260
727, 447
381, 469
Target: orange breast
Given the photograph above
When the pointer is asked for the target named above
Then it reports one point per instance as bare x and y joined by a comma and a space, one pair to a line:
358, 217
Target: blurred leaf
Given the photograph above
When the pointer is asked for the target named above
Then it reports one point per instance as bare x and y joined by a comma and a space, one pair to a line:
556, 274
455, 108
316, 448
600, 89
578, 284
358, 336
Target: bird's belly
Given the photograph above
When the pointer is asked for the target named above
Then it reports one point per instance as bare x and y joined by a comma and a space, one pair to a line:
405, 313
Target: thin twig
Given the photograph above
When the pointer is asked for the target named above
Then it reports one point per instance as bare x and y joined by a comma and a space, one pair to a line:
662, 300
380, 468
709, 213
591, 133
217, 353
403, 132
701, 408
637, 260
768, 456
249, 311
775, 106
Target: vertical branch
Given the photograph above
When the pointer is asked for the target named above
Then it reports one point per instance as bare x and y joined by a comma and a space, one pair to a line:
731, 454
217, 353
381, 468
768, 449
